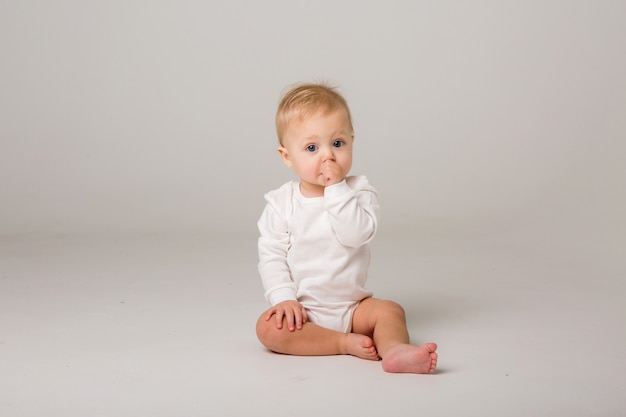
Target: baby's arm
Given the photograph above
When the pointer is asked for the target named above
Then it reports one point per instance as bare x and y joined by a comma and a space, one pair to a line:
352, 210
280, 290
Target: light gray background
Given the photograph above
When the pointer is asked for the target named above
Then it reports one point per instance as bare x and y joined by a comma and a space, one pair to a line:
158, 116
137, 140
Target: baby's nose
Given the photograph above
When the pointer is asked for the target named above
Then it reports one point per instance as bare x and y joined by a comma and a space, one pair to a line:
329, 155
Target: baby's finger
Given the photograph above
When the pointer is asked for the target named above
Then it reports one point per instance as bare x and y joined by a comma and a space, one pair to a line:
332, 175
298, 319
279, 319
289, 318
270, 313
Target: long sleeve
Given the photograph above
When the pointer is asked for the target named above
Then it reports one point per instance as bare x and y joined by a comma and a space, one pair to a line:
352, 207
273, 245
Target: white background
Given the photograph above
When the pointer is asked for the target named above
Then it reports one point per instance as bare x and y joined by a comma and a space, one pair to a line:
157, 116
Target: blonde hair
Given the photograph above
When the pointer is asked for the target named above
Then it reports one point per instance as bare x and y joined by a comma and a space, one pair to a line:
305, 100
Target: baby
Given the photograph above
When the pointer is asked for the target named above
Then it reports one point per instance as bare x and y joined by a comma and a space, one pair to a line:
313, 245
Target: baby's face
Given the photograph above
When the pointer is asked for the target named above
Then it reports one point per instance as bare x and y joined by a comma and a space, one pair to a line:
319, 150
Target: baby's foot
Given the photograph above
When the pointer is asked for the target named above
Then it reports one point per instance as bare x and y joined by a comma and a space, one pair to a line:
412, 359
361, 346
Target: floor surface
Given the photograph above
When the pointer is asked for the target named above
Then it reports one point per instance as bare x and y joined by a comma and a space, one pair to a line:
164, 326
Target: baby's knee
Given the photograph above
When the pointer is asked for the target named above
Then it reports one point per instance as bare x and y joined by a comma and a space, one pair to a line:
391, 307
263, 328
267, 332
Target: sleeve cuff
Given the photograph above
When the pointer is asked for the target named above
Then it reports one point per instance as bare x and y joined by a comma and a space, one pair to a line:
337, 190
281, 294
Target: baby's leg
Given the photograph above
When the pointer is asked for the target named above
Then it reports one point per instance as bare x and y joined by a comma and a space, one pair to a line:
385, 322
313, 340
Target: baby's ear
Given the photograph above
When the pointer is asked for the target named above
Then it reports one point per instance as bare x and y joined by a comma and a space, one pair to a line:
284, 155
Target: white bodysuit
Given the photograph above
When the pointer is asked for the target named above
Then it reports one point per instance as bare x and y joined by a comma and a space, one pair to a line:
315, 250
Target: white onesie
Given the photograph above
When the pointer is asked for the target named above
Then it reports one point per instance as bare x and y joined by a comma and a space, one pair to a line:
315, 250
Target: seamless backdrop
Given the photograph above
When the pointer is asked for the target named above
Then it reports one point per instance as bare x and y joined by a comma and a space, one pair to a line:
157, 116
137, 141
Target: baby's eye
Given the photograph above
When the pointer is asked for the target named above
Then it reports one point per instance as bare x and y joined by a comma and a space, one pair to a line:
311, 148
338, 143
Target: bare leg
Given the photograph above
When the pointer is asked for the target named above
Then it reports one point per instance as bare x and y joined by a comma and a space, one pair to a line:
313, 340
385, 322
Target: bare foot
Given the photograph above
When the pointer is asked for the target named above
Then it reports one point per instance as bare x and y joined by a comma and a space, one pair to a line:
411, 359
361, 346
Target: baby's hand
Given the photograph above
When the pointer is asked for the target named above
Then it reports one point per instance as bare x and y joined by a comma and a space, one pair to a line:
292, 311
332, 173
